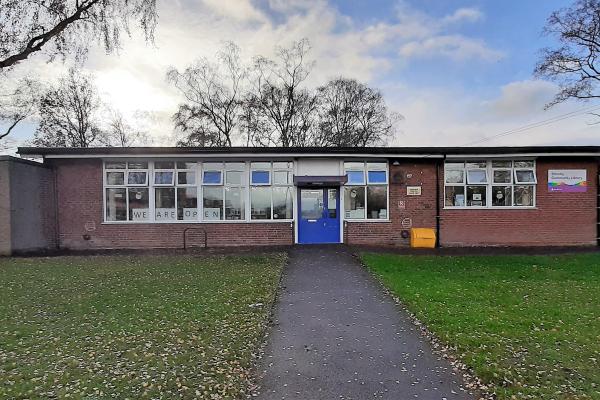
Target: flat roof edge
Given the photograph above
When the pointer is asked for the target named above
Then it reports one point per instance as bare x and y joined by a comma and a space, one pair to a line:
255, 152
22, 161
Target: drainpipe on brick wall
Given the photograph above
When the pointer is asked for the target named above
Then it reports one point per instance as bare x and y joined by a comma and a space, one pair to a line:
437, 201
55, 190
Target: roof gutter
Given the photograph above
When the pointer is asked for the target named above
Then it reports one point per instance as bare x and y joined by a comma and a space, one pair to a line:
507, 155
238, 155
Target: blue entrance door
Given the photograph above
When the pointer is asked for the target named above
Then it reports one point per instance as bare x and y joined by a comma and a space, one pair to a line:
319, 217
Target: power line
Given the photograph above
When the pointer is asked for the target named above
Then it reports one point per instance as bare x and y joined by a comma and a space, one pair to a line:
536, 124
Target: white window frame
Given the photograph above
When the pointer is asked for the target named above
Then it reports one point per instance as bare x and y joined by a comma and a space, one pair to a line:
518, 182
491, 184
271, 185
126, 187
187, 170
212, 169
147, 172
158, 171
199, 185
365, 171
268, 170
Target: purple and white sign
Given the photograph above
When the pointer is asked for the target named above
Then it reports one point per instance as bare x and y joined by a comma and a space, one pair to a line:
567, 180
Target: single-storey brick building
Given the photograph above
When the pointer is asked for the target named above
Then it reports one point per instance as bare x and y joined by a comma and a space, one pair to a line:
99, 198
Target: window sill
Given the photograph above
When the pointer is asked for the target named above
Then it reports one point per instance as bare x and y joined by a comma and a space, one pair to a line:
368, 220
232, 221
493, 208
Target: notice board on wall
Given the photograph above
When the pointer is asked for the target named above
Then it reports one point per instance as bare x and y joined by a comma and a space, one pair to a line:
567, 180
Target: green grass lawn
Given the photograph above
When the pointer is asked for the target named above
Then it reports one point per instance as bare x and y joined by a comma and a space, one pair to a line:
528, 325
133, 327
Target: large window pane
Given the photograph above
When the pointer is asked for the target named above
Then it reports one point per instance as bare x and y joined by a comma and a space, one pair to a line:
502, 196
377, 176
501, 164
234, 203
187, 203
455, 196
524, 196
237, 166
356, 177
139, 204
260, 202
260, 177
476, 164
502, 176
115, 165
115, 178
137, 178
283, 204
311, 203
186, 178
476, 196
116, 205
234, 177
137, 165
164, 165
163, 177
477, 176
212, 178
524, 164
524, 176
282, 165
354, 202
455, 175
213, 203
282, 178
164, 204
186, 165
332, 207
377, 202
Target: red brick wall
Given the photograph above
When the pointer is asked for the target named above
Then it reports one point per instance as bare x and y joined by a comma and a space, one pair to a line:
419, 211
79, 184
559, 218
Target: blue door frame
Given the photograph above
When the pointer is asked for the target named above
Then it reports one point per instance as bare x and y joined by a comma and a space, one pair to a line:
319, 215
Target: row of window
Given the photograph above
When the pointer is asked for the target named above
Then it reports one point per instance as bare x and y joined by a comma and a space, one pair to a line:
170, 173
179, 191
178, 188
491, 183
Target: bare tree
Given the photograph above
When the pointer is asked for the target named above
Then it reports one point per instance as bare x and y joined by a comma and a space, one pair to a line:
574, 65
18, 103
352, 114
61, 27
213, 92
69, 114
278, 111
121, 133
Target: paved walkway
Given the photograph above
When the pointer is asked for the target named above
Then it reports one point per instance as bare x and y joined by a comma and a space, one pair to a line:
337, 336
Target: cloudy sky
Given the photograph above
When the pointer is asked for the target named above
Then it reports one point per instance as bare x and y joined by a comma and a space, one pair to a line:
459, 71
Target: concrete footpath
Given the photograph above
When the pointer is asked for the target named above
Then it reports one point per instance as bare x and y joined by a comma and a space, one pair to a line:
336, 335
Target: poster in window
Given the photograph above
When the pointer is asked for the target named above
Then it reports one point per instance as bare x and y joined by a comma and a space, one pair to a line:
212, 214
567, 180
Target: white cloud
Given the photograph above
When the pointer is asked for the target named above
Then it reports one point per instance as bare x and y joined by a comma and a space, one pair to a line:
456, 47
241, 10
523, 98
444, 117
463, 15
135, 79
